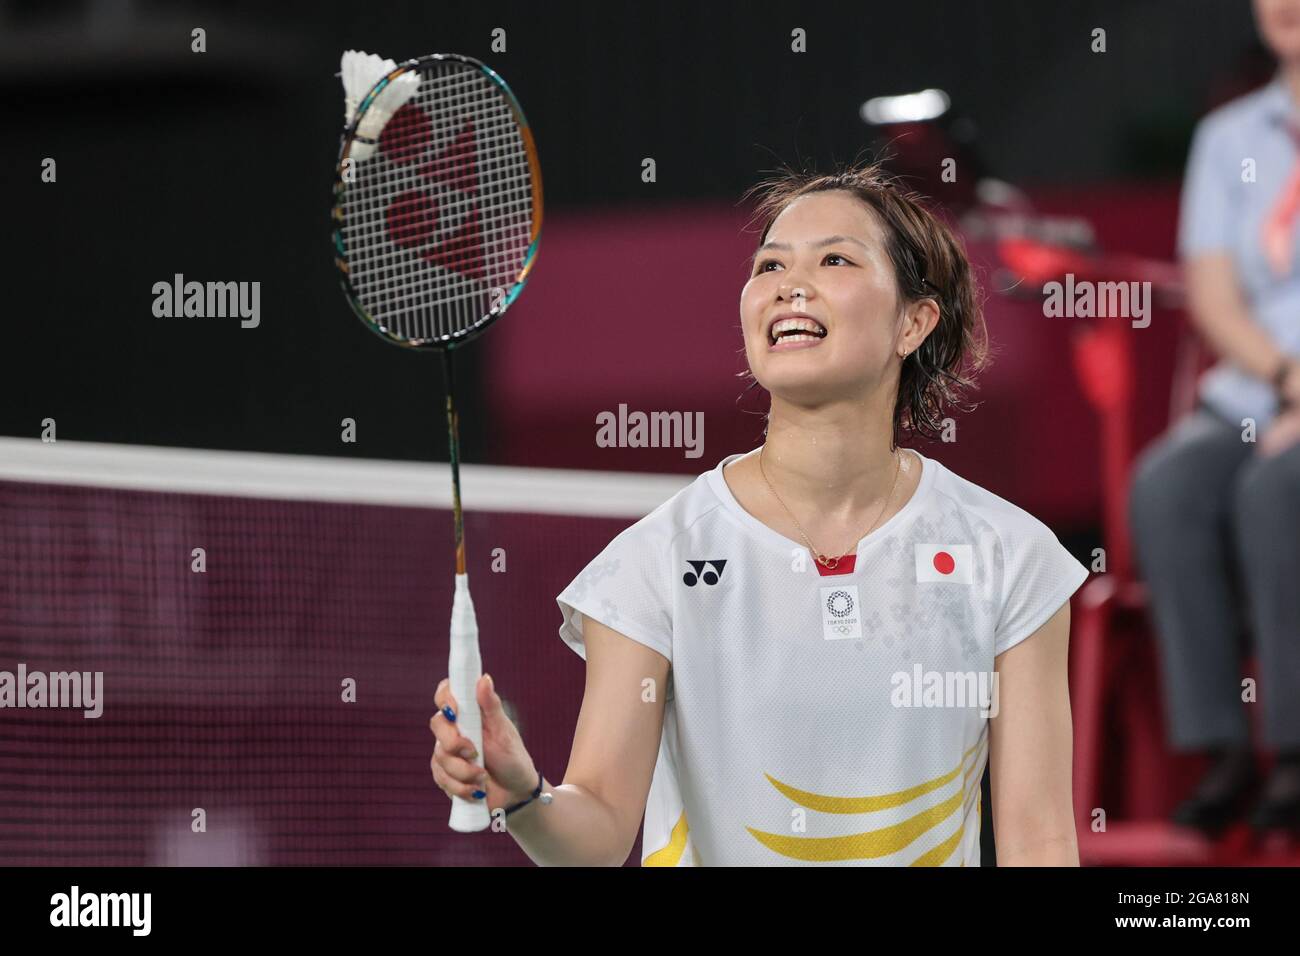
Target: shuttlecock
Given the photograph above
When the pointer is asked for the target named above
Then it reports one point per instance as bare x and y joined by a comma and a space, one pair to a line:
361, 71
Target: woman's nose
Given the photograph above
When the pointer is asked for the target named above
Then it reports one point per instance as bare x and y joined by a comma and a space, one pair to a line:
790, 292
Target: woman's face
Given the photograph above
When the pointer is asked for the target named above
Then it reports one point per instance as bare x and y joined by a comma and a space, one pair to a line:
1279, 26
846, 285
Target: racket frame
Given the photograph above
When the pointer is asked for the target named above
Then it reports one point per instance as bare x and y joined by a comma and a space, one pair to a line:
464, 664
456, 339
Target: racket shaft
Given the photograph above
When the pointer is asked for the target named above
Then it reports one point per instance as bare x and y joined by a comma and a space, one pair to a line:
464, 668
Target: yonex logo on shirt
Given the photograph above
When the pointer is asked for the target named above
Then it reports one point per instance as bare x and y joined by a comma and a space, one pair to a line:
690, 578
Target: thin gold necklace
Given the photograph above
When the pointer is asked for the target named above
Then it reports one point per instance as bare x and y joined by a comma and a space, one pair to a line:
822, 559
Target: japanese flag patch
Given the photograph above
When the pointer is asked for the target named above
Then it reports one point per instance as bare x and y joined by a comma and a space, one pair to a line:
944, 562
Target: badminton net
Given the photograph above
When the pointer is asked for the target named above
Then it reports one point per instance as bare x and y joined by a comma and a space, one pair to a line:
270, 630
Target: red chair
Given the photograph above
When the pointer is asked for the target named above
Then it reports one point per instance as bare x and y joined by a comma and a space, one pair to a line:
1111, 635
1110, 611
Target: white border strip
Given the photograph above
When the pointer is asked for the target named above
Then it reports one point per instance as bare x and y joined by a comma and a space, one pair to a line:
313, 478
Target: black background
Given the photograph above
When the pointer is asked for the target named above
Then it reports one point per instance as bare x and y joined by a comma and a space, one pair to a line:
218, 166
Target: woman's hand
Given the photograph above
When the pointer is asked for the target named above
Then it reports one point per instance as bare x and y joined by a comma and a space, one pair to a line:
510, 775
1291, 383
1281, 434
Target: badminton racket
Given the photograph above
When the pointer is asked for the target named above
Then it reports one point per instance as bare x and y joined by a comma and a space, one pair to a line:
436, 220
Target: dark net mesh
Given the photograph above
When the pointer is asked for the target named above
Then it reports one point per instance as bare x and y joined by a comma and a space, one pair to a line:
223, 690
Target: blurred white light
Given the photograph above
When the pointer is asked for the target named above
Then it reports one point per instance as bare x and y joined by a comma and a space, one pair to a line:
232, 839
906, 108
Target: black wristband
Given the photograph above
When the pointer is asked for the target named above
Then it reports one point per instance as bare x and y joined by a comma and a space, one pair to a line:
536, 793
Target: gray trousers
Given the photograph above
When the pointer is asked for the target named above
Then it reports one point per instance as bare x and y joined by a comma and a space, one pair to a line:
1216, 535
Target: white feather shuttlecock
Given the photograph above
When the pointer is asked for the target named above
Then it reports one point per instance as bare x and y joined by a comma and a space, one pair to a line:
361, 71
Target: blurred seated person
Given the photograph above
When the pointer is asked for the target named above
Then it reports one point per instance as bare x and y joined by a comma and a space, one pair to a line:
1215, 502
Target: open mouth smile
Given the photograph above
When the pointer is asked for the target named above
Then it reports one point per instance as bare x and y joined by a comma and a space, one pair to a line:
788, 333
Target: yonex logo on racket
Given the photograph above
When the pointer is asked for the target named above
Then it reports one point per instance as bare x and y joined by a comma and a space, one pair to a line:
437, 220
415, 216
711, 576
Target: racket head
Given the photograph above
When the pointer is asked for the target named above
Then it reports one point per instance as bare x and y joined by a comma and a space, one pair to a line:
437, 211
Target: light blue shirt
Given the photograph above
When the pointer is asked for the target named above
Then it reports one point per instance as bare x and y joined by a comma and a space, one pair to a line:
1222, 211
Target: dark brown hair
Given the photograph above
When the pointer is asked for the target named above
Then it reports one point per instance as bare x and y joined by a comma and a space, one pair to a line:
929, 262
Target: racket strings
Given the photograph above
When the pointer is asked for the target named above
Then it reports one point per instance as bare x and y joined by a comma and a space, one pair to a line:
407, 277
427, 259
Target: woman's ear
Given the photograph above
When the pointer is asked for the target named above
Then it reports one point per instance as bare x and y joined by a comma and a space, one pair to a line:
922, 317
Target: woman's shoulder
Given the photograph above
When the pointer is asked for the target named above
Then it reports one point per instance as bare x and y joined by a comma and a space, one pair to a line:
976, 501
673, 516
1037, 573
1230, 117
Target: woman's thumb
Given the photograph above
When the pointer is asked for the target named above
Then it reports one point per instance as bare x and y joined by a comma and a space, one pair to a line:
489, 702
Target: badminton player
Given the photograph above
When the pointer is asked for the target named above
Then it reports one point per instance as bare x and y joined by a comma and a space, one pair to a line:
776, 656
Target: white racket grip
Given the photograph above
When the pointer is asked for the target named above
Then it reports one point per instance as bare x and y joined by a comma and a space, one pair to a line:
464, 669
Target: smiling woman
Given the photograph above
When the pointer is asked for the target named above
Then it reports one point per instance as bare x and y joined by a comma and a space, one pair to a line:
893, 231
745, 640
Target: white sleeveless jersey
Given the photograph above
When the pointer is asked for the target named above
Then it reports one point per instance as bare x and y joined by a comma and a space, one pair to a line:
815, 717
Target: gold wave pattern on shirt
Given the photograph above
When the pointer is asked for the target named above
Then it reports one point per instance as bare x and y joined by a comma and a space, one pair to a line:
671, 853
873, 844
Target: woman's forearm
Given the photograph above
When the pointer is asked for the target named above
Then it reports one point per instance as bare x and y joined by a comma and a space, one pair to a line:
1217, 308
1061, 850
575, 829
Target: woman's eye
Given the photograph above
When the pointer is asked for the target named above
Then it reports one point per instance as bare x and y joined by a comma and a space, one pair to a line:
762, 266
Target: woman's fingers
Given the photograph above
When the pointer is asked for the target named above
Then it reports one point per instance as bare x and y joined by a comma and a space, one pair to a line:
458, 767
452, 786
1281, 435
450, 739
453, 753
443, 724
443, 698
